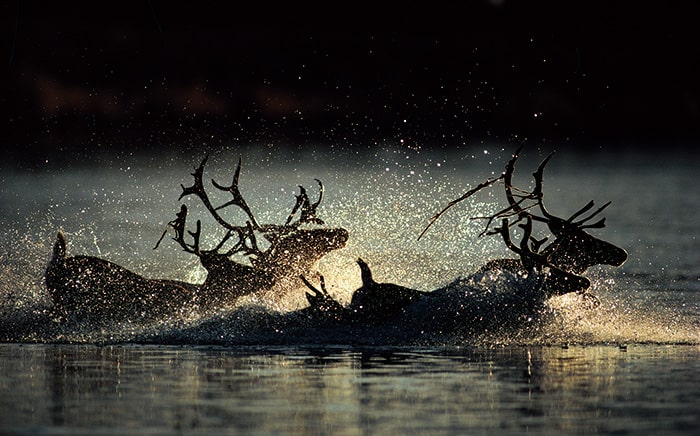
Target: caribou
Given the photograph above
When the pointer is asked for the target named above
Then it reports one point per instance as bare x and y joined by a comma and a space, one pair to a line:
81, 286
572, 252
94, 286
556, 267
372, 302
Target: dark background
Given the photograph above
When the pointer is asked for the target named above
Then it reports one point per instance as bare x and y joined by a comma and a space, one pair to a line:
83, 78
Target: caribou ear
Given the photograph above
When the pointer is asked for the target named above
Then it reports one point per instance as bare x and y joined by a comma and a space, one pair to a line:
366, 272
59, 247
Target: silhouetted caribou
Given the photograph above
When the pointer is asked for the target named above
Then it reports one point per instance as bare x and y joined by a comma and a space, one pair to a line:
571, 252
89, 286
373, 302
557, 267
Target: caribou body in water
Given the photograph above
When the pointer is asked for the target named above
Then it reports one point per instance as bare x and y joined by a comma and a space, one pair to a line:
545, 270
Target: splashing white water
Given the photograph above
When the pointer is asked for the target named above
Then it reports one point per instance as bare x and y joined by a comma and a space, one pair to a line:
119, 215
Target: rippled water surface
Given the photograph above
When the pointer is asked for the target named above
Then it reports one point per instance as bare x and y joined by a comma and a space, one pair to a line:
628, 366
194, 390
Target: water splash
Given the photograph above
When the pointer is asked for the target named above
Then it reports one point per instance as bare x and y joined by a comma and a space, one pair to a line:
384, 204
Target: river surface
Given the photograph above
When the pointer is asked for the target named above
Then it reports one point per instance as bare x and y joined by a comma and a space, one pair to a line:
628, 366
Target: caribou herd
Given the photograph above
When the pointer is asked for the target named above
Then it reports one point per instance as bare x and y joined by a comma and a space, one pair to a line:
239, 264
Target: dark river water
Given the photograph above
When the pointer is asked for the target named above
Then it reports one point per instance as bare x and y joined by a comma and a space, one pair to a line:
130, 389
628, 366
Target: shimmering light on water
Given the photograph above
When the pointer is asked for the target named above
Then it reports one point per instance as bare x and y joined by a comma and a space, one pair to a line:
331, 390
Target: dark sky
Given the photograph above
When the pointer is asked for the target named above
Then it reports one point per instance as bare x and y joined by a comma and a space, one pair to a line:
84, 77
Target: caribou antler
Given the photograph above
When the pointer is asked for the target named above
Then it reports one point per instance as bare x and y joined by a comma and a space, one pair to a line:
520, 203
562, 281
308, 210
556, 224
514, 206
197, 189
320, 300
238, 199
272, 232
244, 235
572, 251
247, 240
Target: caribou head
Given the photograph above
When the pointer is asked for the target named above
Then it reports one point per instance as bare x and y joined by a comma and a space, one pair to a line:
572, 251
292, 247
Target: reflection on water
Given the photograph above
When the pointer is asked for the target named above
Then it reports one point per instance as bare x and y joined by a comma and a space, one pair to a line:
334, 390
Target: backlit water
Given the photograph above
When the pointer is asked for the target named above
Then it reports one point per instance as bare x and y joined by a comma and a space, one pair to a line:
629, 366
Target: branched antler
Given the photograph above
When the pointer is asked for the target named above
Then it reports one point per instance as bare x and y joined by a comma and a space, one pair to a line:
520, 203
178, 224
308, 210
530, 258
561, 281
466, 195
320, 300
247, 239
572, 250
514, 207
197, 189
238, 199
